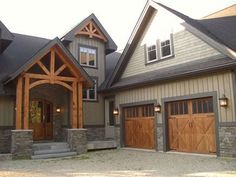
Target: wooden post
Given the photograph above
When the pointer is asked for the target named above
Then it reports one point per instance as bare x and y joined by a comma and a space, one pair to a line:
80, 106
26, 103
74, 106
52, 66
19, 103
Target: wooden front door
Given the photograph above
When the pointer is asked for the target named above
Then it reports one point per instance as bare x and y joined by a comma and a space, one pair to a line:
139, 126
41, 119
191, 126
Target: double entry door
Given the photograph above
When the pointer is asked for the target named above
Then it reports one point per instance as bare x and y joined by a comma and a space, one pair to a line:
191, 126
41, 113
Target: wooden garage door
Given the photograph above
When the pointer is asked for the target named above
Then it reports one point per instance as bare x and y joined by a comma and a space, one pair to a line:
139, 126
191, 126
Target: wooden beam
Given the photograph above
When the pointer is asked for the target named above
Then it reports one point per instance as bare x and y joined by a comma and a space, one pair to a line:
74, 106
26, 103
80, 104
19, 103
60, 69
52, 66
37, 76
43, 67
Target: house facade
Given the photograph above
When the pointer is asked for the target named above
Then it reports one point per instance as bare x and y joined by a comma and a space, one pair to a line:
172, 82
171, 89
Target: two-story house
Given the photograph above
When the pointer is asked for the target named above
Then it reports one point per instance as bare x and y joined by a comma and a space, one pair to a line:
174, 84
50, 86
172, 88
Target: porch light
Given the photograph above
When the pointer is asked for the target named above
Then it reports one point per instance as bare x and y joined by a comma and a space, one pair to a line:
223, 101
116, 112
157, 108
58, 109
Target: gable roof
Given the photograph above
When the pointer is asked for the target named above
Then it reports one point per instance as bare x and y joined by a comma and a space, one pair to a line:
110, 45
24, 50
205, 27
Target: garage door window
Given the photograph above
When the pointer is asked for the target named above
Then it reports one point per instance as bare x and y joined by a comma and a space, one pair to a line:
202, 106
140, 111
177, 108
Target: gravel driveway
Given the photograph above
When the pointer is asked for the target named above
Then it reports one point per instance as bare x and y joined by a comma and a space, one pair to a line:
122, 163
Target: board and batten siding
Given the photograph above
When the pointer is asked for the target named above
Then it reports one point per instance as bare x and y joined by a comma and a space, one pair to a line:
219, 82
93, 111
7, 110
187, 47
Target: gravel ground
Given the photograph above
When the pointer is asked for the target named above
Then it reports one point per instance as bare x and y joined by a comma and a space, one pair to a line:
122, 163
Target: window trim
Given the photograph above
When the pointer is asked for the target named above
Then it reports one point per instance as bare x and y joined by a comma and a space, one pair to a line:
147, 56
89, 47
171, 47
95, 91
158, 51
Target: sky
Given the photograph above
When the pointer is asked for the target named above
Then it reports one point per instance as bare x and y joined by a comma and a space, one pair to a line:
53, 18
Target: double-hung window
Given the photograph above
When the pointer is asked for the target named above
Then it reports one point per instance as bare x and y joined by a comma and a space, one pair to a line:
162, 50
91, 93
151, 53
165, 48
87, 56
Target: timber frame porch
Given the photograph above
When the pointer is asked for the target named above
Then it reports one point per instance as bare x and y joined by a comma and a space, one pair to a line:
53, 67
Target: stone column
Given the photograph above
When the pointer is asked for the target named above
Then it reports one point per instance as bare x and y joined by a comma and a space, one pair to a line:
21, 144
227, 138
159, 138
77, 140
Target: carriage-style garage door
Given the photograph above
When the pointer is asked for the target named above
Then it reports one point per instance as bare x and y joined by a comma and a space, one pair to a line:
191, 126
139, 126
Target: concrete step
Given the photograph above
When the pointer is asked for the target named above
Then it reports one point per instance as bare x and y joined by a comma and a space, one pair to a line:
51, 151
57, 155
93, 145
50, 146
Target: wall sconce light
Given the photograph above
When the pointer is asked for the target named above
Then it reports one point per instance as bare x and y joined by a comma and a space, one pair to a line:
157, 108
58, 109
223, 101
116, 112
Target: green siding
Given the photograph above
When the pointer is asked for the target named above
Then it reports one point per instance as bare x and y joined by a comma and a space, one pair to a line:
7, 110
220, 82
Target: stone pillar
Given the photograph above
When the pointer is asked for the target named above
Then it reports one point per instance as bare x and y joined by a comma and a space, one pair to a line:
21, 144
77, 140
227, 138
159, 138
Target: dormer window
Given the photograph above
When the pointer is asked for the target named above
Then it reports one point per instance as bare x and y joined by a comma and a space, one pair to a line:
165, 48
88, 56
151, 53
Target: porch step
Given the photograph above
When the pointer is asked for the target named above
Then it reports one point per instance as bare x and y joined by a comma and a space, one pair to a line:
50, 146
57, 155
51, 150
104, 144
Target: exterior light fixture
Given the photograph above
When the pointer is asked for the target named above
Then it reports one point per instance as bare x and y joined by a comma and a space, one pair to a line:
157, 108
116, 112
58, 109
223, 101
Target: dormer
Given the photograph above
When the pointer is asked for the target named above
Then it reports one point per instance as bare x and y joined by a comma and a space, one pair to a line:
6, 37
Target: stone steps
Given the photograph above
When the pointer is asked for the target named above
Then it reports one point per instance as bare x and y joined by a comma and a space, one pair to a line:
104, 144
51, 150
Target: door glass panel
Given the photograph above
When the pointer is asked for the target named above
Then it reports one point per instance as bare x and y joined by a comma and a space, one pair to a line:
36, 111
